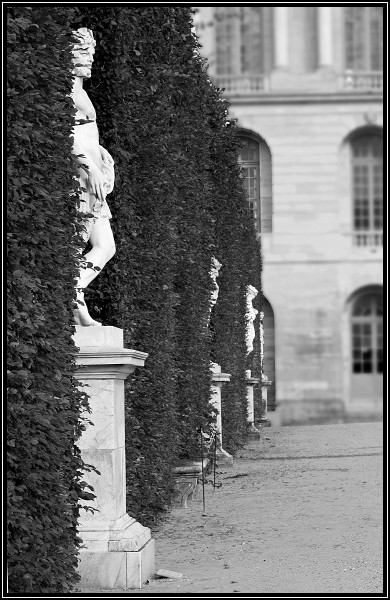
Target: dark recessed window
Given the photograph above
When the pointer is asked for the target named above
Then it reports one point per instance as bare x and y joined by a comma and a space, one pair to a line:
367, 334
244, 39
363, 38
256, 170
367, 176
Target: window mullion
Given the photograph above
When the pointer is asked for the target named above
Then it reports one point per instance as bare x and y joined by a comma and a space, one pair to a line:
371, 189
237, 16
366, 38
374, 341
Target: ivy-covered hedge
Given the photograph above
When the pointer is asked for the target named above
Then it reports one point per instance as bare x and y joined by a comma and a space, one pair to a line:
44, 468
177, 201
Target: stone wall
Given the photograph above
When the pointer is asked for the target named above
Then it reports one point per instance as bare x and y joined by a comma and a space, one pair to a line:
305, 113
311, 267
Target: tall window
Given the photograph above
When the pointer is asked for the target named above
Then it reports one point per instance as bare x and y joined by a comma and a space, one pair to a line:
243, 40
367, 334
249, 160
255, 162
367, 174
364, 38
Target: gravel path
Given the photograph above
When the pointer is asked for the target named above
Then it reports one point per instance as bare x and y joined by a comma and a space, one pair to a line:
299, 512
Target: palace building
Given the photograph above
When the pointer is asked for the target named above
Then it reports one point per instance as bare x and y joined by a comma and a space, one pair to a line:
305, 86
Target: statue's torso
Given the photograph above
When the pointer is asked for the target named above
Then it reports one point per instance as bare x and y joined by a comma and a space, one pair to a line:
86, 135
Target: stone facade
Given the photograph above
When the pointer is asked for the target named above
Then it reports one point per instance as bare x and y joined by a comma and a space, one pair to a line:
306, 113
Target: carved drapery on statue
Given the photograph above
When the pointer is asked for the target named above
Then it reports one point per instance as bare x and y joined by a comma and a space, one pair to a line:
250, 316
96, 176
214, 272
261, 330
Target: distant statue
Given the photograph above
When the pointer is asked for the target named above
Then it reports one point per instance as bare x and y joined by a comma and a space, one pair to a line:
261, 327
96, 175
214, 272
250, 316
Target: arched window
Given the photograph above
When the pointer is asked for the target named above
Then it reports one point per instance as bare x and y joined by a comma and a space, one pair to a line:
363, 38
250, 169
367, 334
367, 177
243, 39
255, 162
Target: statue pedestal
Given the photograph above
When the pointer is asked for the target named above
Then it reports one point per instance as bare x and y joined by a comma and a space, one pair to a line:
217, 381
117, 552
265, 383
253, 432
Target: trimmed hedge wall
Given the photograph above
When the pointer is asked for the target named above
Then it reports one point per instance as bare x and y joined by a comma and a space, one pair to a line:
239, 252
177, 201
148, 86
44, 468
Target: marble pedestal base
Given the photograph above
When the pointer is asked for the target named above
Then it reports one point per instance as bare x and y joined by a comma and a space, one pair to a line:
265, 383
217, 380
117, 551
111, 570
253, 432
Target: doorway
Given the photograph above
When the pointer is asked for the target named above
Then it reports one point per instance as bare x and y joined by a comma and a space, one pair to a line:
366, 361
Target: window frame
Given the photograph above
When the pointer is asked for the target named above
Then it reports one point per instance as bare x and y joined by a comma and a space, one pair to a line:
368, 326
235, 45
368, 42
264, 221
371, 235
248, 164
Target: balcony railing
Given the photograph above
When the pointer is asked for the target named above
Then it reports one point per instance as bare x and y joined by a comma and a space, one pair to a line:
242, 85
363, 81
367, 238
252, 85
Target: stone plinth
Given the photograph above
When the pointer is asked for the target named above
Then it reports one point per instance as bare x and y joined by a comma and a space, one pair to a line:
117, 552
265, 384
253, 432
217, 381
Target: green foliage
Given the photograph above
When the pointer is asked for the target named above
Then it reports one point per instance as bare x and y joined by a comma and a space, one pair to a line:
44, 467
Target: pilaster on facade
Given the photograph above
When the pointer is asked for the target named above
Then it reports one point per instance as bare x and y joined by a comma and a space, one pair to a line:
205, 30
325, 46
281, 37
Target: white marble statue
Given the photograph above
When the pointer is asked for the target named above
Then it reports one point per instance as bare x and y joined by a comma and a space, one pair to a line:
214, 272
261, 328
96, 174
250, 316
